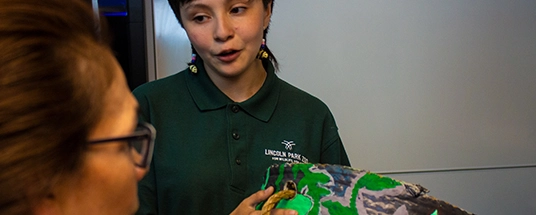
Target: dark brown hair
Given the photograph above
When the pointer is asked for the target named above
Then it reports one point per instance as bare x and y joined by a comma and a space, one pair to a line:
176, 4
53, 81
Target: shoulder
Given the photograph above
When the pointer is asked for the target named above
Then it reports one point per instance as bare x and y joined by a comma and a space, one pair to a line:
161, 95
300, 98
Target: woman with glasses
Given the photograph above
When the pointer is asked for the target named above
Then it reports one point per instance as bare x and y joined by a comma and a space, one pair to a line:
70, 142
69, 139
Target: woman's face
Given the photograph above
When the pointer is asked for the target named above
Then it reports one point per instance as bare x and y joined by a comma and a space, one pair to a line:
227, 34
108, 180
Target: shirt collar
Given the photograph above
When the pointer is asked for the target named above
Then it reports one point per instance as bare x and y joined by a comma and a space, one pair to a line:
208, 97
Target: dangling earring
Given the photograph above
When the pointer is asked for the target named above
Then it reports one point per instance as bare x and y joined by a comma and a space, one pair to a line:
262, 53
193, 68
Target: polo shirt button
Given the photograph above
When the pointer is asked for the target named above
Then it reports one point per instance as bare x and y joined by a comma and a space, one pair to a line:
238, 161
236, 136
235, 108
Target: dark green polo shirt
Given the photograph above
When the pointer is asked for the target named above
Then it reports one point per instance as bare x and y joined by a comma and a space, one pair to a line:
211, 153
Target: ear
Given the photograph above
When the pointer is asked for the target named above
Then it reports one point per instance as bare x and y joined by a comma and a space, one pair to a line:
268, 15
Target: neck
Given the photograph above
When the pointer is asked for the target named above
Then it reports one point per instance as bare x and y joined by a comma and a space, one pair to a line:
241, 87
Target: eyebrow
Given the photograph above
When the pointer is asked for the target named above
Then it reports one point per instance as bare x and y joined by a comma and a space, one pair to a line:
247, 2
193, 3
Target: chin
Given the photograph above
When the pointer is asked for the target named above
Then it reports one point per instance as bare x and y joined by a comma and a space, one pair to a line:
134, 208
231, 72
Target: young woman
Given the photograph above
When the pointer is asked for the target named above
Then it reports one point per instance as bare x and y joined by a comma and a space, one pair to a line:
224, 120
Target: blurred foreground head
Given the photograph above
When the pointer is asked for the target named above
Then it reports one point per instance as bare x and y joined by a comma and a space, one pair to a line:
60, 86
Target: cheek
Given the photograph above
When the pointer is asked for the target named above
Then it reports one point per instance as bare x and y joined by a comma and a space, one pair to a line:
201, 41
113, 182
252, 31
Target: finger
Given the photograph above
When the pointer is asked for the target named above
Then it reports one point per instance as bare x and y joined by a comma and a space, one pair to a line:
259, 196
267, 192
283, 212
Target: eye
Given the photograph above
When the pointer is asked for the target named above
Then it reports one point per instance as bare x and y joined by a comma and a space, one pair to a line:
124, 146
238, 10
199, 18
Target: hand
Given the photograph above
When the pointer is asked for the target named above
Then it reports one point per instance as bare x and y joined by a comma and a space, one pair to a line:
247, 206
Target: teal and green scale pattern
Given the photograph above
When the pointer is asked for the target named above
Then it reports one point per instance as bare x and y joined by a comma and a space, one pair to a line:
342, 190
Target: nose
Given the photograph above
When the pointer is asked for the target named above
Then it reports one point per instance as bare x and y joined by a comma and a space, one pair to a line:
140, 172
224, 29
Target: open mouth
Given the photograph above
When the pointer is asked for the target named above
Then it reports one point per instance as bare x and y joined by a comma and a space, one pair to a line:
227, 53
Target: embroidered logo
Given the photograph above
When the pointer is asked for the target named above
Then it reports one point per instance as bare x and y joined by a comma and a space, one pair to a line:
288, 144
286, 156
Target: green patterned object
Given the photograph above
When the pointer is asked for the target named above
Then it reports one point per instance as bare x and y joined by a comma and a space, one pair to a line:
334, 189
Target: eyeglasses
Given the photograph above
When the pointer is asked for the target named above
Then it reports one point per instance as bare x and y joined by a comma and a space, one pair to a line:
141, 143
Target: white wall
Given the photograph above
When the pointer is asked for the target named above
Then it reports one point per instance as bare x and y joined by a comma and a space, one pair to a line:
415, 86
484, 192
